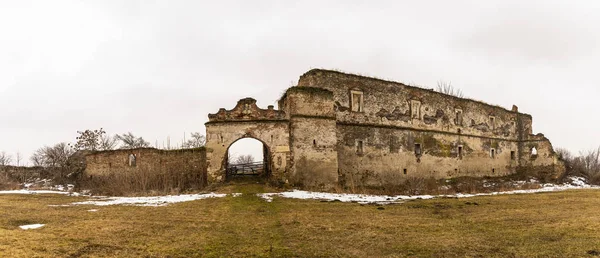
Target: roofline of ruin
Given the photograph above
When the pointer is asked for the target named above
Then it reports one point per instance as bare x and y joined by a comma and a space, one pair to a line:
362, 77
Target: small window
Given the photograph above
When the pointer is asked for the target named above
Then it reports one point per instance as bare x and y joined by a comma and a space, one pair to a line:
315, 143
512, 155
459, 117
356, 101
405, 171
493, 170
132, 160
492, 153
460, 150
492, 122
415, 109
534, 152
417, 149
359, 147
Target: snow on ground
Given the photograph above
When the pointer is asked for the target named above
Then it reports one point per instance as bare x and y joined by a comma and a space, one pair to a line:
25, 191
93, 210
149, 201
32, 226
576, 183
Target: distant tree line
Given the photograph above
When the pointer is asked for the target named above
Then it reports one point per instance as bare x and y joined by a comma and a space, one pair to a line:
586, 164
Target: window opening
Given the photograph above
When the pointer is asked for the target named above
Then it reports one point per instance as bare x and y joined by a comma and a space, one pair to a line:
359, 147
415, 109
492, 122
356, 101
405, 171
417, 149
132, 160
512, 155
459, 117
533, 152
460, 150
492, 153
315, 143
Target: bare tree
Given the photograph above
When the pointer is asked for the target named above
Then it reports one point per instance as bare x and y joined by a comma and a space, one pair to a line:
89, 140
19, 158
447, 88
198, 140
108, 142
38, 157
243, 159
587, 164
130, 141
56, 156
5, 159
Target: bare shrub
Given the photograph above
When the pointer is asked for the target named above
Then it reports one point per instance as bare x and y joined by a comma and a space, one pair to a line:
165, 181
130, 141
586, 165
242, 159
447, 88
5, 159
198, 140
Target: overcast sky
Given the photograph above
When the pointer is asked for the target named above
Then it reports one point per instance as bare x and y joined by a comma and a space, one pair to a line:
157, 68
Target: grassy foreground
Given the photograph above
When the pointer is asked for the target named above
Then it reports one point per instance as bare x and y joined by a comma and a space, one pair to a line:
560, 224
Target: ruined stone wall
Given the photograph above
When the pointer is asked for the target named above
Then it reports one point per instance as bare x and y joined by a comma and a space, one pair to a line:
147, 160
312, 137
380, 123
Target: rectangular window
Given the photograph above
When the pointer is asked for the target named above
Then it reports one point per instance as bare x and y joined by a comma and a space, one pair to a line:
492, 122
512, 155
394, 146
359, 147
459, 117
415, 109
492, 153
405, 171
356, 101
417, 149
460, 150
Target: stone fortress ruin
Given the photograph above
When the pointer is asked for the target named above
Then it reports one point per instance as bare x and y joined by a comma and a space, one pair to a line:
342, 129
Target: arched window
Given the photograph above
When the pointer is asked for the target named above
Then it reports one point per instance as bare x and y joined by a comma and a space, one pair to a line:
533, 152
132, 160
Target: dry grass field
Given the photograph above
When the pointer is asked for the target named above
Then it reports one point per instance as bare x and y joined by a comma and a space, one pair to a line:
558, 224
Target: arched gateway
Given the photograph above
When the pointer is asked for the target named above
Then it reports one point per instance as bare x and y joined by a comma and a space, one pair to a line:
247, 120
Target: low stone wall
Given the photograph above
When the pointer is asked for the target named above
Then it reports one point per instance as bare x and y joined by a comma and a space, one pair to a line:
145, 169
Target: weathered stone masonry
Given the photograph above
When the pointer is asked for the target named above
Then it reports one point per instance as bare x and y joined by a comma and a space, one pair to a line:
336, 127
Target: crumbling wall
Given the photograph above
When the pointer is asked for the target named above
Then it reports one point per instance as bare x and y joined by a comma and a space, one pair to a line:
145, 169
312, 137
389, 156
146, 159
379, 122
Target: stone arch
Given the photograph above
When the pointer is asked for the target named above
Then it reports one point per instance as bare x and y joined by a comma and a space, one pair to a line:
266, 158
246, 120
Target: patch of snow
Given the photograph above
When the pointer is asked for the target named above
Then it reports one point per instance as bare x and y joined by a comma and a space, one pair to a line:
93, 210
32, 226
149, 201
358, 198
236, 194
24, 191
577, 183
